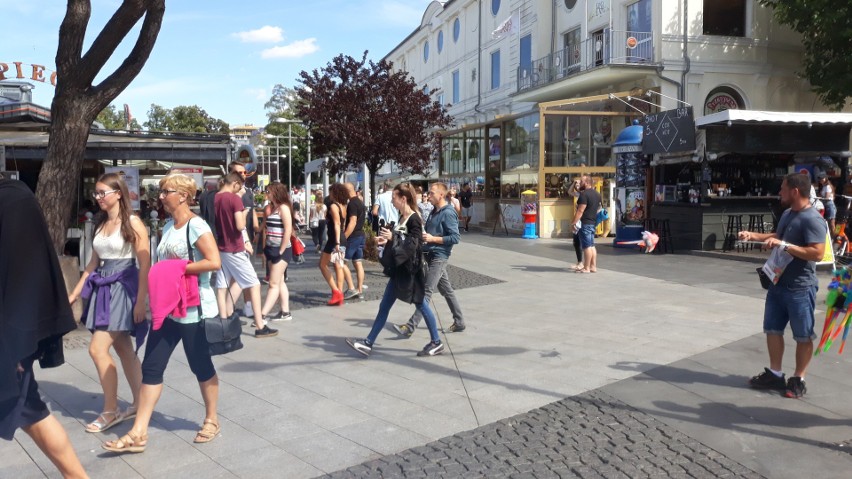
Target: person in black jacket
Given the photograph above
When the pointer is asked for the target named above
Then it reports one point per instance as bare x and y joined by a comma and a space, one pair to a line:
402, 259
34, 314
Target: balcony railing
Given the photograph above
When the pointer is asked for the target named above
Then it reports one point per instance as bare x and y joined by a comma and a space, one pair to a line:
606, 48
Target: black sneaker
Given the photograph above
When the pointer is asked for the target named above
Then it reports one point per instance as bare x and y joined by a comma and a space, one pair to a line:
455, 328
403, 329
266, 332
768, 380
360, 345
795, 388
431, 349
281, 316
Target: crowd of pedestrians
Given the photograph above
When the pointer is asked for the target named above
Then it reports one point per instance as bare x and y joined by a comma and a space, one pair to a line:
204, 263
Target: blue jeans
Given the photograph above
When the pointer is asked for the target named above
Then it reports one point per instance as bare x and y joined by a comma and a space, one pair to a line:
790, 305
385, 306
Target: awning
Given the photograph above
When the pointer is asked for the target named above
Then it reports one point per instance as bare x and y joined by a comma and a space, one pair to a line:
774, 117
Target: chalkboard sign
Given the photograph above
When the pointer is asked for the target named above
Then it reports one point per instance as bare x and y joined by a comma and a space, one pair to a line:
669, 131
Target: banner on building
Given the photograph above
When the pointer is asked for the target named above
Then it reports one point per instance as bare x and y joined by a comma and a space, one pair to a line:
130, 175
510, 26
196, 174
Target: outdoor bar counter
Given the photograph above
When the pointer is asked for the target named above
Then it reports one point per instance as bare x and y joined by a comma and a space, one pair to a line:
703, 226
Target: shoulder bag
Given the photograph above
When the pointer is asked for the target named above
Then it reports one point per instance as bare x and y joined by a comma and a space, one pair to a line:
223, 334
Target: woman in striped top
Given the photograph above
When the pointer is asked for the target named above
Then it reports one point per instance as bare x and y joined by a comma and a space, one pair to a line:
279, 230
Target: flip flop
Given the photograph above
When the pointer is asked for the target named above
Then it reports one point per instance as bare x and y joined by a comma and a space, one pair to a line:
582, 271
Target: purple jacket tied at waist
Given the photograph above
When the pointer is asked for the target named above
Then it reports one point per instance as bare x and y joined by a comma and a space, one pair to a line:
129, 279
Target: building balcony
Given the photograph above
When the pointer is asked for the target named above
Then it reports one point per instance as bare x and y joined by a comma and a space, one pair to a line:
604, 59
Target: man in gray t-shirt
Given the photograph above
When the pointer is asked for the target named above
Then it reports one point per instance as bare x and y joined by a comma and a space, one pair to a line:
800, 239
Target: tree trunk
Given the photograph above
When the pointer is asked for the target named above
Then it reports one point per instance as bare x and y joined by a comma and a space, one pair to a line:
60, 173
372, 185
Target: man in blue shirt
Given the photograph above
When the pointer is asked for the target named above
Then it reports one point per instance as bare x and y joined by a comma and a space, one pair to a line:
797, 245
440, 234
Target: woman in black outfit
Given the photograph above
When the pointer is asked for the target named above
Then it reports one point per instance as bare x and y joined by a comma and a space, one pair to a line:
334, 220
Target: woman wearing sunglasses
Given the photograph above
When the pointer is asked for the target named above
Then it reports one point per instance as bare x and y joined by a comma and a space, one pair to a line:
116, 291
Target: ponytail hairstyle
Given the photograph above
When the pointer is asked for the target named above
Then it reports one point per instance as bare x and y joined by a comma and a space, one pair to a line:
407, 192
114, 181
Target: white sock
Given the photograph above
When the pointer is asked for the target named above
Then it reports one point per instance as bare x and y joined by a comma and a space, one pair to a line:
777, 373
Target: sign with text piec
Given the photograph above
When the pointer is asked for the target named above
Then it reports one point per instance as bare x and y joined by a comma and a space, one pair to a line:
669, 131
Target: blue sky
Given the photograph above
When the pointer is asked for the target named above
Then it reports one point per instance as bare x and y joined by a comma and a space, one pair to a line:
222, 55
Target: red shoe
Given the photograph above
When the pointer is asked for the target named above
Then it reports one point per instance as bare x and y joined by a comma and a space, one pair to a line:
336, 298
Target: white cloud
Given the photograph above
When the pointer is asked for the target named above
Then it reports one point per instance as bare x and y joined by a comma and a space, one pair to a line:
265, 34
297, 49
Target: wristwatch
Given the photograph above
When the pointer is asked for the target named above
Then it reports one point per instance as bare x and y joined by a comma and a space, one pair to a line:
785, 245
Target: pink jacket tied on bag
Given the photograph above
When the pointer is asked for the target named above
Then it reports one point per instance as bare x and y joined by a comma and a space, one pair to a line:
171, 291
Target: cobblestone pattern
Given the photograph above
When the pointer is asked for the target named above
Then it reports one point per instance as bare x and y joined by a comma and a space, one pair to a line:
588, 436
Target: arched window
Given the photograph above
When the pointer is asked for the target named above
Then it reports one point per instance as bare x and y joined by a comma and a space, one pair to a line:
425, 52
440, 41
456, 29
495, 7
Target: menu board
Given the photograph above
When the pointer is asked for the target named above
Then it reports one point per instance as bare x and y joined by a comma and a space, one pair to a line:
669, 131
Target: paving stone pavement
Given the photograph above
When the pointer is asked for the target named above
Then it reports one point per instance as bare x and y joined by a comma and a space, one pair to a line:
592, 435
646, 362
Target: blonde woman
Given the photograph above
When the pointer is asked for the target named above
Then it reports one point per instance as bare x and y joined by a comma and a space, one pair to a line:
116, 291
316, 218
183, 229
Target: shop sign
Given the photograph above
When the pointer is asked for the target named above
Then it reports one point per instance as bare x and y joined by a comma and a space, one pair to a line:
668, 131
632, 42
196, 174
130, 175
26, 71
720, 101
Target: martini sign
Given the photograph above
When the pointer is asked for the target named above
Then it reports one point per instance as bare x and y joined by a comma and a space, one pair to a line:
669, 131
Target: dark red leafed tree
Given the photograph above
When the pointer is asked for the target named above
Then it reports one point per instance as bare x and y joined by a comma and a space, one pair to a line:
78, 100
362, 112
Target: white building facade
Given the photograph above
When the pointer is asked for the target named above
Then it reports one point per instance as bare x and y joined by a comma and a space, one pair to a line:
495, 62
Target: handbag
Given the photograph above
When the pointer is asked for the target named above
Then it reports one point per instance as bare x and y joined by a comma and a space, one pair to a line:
223, 334
297, 245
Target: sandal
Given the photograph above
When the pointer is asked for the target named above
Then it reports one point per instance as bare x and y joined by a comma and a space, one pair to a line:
128, 443
104, 421
129, 413
209, 430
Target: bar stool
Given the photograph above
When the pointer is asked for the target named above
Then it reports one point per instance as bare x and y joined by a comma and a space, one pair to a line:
666, 244
735, 225
755, 225
649, 224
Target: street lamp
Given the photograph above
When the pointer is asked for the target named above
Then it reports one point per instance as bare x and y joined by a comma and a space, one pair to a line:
290, 149
277, 155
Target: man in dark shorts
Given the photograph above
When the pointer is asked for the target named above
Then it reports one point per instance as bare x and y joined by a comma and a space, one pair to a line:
588, 204
34, 314
356, 213
798, 243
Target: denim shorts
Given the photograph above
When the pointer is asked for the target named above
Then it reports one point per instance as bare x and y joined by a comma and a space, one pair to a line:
587, 236
355, 248
794, 305
830, 209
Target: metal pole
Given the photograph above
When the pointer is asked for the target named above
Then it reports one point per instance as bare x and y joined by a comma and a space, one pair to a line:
278, 162
290, 156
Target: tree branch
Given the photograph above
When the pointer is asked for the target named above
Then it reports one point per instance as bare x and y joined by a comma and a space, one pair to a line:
72, 33
116, 82
111, 36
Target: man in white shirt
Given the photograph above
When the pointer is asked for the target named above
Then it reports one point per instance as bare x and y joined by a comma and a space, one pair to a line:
384, 212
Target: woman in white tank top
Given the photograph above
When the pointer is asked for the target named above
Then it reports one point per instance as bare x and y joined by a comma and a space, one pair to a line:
116, 291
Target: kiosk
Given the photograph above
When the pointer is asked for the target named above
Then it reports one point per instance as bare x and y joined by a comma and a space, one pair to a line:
631, 167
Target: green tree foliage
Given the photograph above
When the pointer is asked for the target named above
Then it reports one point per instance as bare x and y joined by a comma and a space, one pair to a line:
364, 113
826, 36
187, 119
113, 119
